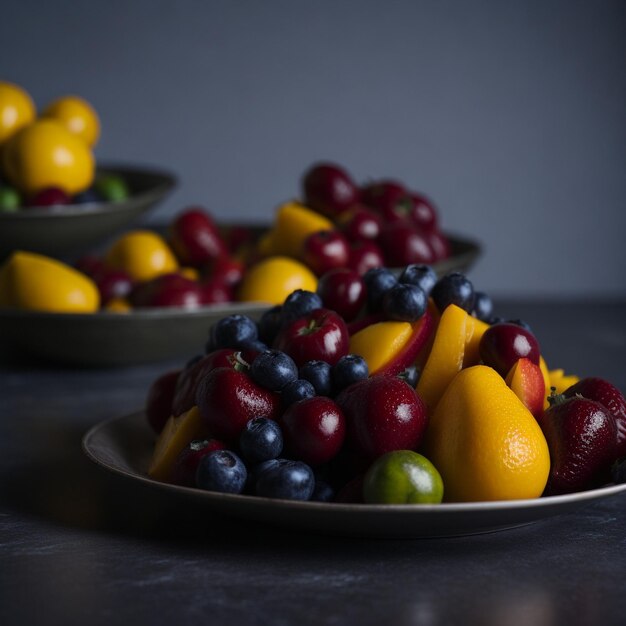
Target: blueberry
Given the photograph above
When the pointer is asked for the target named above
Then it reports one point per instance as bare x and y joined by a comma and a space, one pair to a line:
454, 288
348, 370
405, 303
423, 276
87, 197
300, 303
618, 471
295, 391
483, 306
322, 492
256, 345
269, 324
522, 324
261, 440
223, 471
254, 471
377, 280
286, 479
410, 375
273, 369
318, 374
234, 331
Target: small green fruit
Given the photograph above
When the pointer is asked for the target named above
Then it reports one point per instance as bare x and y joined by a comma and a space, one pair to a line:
402, 477
10, 200
112, 188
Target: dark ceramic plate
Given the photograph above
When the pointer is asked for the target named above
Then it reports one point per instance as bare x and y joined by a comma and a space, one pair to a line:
124, 446
65, 230
113, 339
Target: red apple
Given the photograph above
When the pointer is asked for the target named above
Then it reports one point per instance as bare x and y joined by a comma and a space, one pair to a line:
365, 255
329, 189
383, 413
195, 238
343, 291
403, 245
160, 400
322, 335
325, 250
313, 429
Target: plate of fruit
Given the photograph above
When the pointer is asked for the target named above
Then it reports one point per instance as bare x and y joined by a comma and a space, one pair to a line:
151, 294
54, 198
420, 415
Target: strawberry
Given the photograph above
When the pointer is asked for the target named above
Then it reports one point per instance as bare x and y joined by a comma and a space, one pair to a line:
227, 399
581, 436
609, 397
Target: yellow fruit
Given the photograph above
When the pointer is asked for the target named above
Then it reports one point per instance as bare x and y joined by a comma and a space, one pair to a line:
561, 381
293, 224
379, 343
16, 110
38, 283
484, 441
118, 305
45, 154
176, 434
78, 116
143, 254
190, 272
546, 381
274, 278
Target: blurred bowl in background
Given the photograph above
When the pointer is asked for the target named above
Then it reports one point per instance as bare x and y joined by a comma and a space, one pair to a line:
64, 230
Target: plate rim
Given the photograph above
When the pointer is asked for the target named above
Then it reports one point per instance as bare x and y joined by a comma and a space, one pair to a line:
372, 509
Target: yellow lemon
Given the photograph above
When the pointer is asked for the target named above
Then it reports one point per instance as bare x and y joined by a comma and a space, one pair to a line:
485, 443
77, 115
274, 278
45, 154
38, 283
143, 254
16, 110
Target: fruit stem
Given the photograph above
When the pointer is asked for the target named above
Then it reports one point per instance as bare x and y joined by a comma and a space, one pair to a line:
240, 364
555, 398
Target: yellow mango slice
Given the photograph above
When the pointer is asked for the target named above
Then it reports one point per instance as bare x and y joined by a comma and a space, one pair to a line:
379, 343
293, 224
446, 356
176, 434
474, 330
543, 366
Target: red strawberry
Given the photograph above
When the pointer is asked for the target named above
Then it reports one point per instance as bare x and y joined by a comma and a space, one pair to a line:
581, 436
228, 399
609, 397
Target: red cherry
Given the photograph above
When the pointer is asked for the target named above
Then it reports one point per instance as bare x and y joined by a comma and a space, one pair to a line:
365, 255
216, 291
113, 284
423, 213
167, 290
439, 244
383, 413
52, 196
195, 238
186, 465
322, 335
227, 399
329, 189
343, 291
325, 250
226, 269
360, 224
90, 264
313, 429
160, 400
389, 197
503, 344
403, 245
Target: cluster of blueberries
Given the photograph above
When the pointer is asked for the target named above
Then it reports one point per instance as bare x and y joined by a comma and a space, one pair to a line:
258, 468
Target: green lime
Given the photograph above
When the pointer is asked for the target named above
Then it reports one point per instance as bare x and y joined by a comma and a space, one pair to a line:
402, 477
111, 187
10, 200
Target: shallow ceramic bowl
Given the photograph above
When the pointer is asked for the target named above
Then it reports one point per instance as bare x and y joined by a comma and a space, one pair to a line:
65, 230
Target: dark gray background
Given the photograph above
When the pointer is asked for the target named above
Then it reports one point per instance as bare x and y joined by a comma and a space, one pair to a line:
511, 115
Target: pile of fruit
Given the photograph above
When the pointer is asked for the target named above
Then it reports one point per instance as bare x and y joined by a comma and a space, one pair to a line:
47, 160
383, 389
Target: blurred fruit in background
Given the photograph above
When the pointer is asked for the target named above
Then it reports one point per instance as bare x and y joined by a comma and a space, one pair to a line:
78, 116
16, 110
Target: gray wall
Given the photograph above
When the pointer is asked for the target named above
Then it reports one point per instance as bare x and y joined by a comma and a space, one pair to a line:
511, 115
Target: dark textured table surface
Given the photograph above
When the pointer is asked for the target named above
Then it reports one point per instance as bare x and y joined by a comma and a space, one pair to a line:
80, 546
